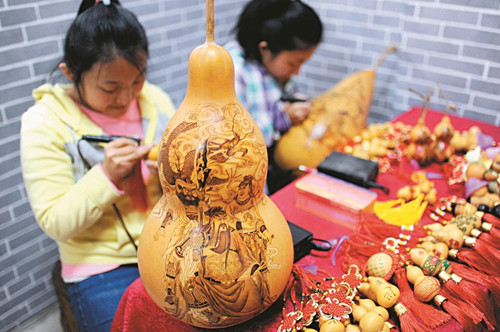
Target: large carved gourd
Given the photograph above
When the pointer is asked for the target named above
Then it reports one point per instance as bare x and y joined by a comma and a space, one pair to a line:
215, 251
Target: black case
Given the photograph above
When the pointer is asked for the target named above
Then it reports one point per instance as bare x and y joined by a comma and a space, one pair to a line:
302, 241
361, 172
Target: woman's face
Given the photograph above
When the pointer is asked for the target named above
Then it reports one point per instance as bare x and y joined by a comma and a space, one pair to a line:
110, 87
284, 64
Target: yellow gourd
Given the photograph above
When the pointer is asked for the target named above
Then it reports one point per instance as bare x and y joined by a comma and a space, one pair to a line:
215, 250
358, 311
450, 234
153, 153
379, 265
367, 304
437, 248
337, 115
371, 322
352, 328
332, 325
387, 294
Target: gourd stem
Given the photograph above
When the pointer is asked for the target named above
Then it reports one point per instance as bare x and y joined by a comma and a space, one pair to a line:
425, 104
210, 21
391, 49
448, 106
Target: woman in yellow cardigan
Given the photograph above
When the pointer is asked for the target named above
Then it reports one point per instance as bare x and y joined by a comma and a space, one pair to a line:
82, 177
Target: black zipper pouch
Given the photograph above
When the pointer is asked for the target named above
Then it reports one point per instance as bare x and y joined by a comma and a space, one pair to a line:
361, 172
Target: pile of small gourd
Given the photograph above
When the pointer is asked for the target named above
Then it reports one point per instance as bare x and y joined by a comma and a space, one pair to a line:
416, 142
483, 178
380, 140
423, 186
367, 315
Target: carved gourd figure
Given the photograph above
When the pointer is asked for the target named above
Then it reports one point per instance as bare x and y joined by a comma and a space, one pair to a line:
215, 250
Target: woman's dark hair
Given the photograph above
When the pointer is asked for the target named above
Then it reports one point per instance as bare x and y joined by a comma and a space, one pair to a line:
101, 33
285, 25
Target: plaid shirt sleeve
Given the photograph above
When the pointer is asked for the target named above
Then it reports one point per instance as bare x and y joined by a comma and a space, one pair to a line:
259, 93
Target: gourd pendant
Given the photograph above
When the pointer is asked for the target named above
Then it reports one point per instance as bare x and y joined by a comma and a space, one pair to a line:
215, 251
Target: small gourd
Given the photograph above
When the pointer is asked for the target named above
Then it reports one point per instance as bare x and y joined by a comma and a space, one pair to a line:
381, 311
449, 234
368, 304
153, 153
475, 169
405, 193
366, 290
425, 288
420, 137
371, 322
358, 311
352, 328
464, 208
437, 248
431, 265
466, 222
379, 265
332, 325
441, 147
367, 315
386, 293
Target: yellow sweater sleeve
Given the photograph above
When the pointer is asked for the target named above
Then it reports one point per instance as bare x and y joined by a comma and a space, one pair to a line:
62, 207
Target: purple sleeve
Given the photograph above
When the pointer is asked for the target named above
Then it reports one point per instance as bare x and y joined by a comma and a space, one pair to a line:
281, 120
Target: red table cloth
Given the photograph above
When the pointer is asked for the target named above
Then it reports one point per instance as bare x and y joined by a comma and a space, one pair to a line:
137, 312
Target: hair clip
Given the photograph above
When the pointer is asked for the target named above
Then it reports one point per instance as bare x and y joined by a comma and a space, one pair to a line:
104, 2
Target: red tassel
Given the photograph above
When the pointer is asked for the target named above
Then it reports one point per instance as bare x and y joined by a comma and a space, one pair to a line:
407, 320
492, 283
380, 230
495, 232
473, 259
427, 314
490, 254
356, 250
479, 306
454, 309
495, 221
489, 240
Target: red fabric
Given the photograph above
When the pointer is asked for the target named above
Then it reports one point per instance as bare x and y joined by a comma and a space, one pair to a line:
137, 312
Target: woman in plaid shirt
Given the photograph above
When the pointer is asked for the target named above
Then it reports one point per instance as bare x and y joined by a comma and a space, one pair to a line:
274, 39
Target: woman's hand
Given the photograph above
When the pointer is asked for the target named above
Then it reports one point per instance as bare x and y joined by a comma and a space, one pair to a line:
120, 156
297, 111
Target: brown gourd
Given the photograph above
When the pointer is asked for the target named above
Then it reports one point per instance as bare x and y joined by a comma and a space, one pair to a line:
215, 250
441, 146
337, 115
425, 288
420, 136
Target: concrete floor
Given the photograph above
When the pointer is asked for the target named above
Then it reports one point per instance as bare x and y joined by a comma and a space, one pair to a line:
48, 321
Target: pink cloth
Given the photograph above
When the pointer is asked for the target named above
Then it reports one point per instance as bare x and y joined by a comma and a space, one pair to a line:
128, 124
78, 272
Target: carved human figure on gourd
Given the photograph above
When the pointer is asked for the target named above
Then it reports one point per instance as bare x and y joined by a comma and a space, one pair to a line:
215, 251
